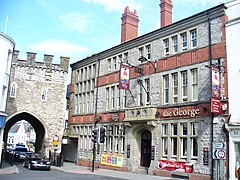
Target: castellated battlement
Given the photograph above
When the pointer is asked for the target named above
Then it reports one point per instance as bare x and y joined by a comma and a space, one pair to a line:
46, 64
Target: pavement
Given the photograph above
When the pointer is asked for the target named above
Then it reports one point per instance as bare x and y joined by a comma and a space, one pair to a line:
73, 168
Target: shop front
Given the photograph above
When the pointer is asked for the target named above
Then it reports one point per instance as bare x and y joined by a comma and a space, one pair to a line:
234, 150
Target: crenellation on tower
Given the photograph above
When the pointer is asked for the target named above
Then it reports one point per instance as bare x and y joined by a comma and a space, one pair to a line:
64, 62
47, 63
31, 57
15, 56
48, 59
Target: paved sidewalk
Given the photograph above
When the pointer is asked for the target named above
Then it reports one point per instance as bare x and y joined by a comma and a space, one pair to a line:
8, 168
73, 168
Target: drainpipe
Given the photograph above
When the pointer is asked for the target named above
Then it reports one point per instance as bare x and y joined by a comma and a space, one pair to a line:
210, 61
95, 115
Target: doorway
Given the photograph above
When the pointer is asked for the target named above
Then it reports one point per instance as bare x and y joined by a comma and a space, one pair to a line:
146, 139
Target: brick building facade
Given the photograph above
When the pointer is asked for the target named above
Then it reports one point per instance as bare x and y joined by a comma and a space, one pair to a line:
163, 124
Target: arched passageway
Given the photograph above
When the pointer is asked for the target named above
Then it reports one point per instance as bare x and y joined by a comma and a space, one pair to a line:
36, 124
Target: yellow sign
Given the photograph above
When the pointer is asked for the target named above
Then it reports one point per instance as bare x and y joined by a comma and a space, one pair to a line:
112, 160
55, 143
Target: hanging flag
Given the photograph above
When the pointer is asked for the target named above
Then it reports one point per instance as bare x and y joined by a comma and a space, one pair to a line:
124, 77
215, 82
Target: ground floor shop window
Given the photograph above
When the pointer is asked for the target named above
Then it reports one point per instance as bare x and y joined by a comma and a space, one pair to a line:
179, 140
115, 139
237, 155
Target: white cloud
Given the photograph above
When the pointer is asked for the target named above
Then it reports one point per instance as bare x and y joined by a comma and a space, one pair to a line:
74, 21
116, 5
200, 2
58, 48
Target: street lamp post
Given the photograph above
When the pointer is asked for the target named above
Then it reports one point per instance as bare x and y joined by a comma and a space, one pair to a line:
143, 59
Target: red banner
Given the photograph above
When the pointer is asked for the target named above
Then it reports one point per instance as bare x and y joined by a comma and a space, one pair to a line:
175, 166
215, 106
124, 77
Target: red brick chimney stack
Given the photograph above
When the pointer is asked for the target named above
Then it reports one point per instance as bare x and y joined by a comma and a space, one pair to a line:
166, 12
129, 25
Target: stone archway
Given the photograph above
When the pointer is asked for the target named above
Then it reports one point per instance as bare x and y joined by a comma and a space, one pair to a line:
38, 126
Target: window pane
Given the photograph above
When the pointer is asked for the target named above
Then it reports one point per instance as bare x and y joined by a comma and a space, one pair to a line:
184, 86
193, 38
166, 88
194, 74
175, 44
147, 86
184, 41
175, 87
174, 129
109, 65
184, 129
148, 52
194, 128
184, 147
140, 52
174, 146
165, 129
165, 146
194, 147
166, 47
140, 95
107, 99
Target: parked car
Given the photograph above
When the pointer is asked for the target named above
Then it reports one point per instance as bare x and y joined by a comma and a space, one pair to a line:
36, 161
19, 153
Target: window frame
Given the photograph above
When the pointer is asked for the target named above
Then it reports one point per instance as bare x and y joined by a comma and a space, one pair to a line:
148, 90
13, 90
166, 89
107, 98
184, 85
184, 41
148, 52
193, 35
194, 84
44, 93
109, 65
175, 44
166, 44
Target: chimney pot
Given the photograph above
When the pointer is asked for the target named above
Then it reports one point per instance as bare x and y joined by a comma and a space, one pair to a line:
129, 25
165, 12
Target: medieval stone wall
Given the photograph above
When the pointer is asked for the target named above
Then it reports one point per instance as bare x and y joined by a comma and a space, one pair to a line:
30, 78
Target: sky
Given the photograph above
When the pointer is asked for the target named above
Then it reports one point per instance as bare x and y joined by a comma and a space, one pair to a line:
80, 28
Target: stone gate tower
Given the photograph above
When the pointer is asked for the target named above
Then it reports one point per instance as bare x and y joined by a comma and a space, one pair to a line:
37, 94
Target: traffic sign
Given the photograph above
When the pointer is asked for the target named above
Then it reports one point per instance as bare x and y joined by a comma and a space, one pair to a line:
55, 138
220, 154
219, 145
